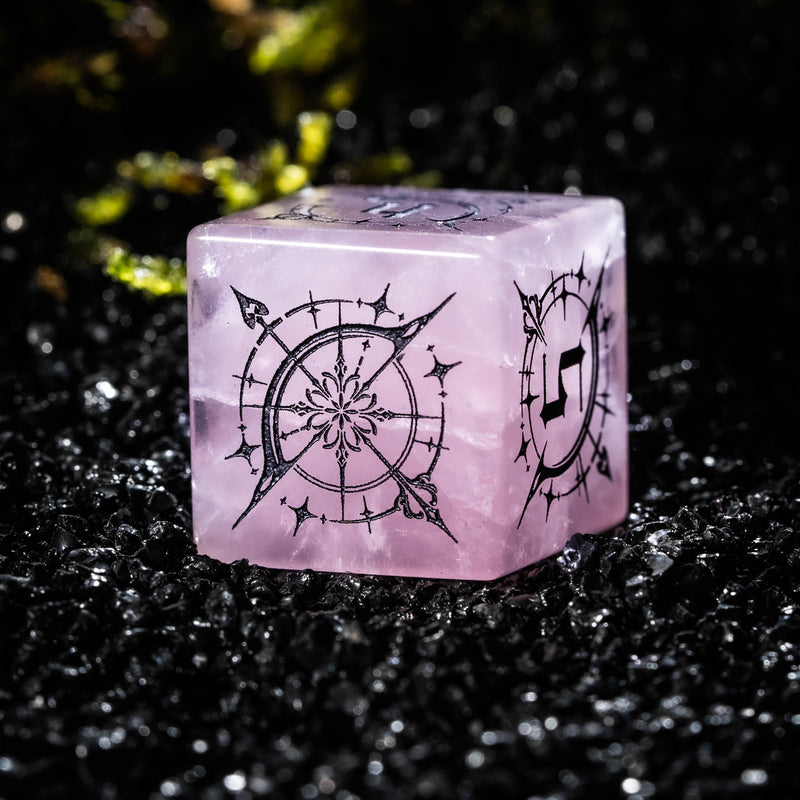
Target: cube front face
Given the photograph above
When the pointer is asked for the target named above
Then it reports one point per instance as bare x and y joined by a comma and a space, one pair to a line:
401, 382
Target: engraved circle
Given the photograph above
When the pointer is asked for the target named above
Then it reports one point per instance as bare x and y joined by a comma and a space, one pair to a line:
290, 372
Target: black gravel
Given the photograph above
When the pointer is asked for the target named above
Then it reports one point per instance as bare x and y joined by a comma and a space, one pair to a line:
660, 660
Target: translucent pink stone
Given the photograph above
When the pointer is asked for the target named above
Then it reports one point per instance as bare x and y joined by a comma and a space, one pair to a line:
408, 382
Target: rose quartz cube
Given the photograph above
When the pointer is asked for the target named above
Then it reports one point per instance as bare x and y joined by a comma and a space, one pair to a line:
408, 382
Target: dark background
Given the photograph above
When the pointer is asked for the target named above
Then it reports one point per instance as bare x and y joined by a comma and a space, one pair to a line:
661, 660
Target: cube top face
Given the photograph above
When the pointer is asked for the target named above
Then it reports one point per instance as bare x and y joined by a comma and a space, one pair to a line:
407, 210
393, 381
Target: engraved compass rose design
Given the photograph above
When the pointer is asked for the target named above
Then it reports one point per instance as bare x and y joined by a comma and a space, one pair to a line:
351, 426
564, 391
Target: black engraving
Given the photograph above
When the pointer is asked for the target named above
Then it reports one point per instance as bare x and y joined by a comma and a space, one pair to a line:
551, 409
343, 411
575, 420
438, 210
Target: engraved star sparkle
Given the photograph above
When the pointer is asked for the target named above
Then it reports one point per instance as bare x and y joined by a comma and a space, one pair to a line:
440, 370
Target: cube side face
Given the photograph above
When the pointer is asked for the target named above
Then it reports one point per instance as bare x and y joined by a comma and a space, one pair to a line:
356, 401
570, 467
344, 398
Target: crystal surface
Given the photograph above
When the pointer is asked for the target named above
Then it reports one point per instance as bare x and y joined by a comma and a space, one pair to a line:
408, 382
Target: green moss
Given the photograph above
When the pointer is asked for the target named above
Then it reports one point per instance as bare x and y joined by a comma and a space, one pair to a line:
105, 207
308, 59
153, 275
314, 129
308, 40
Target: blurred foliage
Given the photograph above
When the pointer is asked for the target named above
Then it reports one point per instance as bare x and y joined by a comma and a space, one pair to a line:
92, 79
155, 275
236, 183
296, 64
126, 122
281, 43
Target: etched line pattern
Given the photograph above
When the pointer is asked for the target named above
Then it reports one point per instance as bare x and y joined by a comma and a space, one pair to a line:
564, 390
344, 411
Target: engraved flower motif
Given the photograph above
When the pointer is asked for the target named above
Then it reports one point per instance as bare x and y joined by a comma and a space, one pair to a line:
343, 411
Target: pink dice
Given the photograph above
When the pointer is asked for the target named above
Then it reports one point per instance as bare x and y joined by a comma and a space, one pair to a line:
408, 382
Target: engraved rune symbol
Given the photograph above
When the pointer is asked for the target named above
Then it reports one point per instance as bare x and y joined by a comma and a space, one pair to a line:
555, 408
562, 430
399, 208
